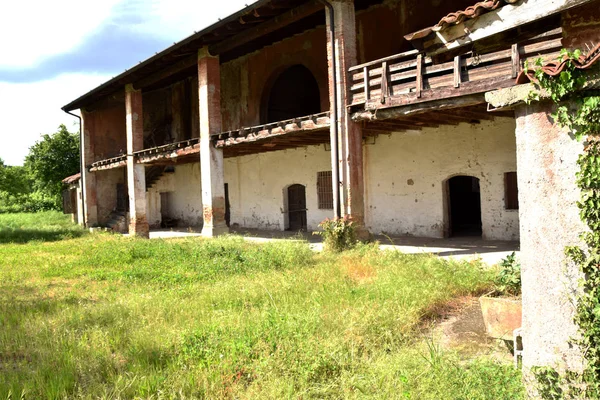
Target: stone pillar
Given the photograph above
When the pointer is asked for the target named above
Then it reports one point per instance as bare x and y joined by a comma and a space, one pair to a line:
136, 173
349, 133
211, 158
88, 179
549, 221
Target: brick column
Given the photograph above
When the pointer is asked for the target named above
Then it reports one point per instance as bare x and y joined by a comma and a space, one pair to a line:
136, 173
549, 221
211, 158
350, 156
88, 179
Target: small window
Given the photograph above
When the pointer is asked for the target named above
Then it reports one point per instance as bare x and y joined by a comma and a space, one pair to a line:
511, 191
324, 190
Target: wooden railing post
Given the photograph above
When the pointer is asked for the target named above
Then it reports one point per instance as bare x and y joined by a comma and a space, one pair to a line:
419, 75
515, 56
384, 82
366, 82
457, 71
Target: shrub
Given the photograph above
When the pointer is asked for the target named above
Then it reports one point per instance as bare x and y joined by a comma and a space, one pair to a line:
338, 234
509, 277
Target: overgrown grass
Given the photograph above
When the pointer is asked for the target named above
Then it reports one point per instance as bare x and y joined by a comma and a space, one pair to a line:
109, 317
42, 226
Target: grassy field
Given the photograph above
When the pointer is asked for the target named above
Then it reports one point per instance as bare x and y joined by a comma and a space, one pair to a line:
103, 316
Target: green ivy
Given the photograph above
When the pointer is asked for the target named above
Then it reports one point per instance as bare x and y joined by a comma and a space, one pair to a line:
581, 117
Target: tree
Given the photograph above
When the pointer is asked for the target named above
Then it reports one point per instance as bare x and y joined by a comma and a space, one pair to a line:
52, 159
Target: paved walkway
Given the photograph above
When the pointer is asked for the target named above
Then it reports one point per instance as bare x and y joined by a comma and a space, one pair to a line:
469, 248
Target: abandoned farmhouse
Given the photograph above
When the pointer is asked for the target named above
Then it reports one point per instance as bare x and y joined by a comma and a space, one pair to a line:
402, 115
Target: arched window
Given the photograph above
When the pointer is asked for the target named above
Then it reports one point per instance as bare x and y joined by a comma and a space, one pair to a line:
294, 93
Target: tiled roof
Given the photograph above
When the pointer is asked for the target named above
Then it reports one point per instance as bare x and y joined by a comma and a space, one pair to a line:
585, 61
72, 179
460, 16
473, 11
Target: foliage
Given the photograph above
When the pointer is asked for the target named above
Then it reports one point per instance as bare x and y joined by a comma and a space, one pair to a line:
509, 277
338, 234
103, 316
582, 119
52, 159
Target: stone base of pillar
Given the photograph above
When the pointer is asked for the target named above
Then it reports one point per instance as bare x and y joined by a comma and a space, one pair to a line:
139, 229
214, 231
363, 234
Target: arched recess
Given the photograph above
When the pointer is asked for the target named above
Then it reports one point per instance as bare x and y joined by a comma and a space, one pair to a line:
294, 92
462, 206
294, 200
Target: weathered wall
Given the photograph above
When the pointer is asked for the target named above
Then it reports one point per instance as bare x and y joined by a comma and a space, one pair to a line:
380, 29
547, 161
106, 188
581, 25
405, 174
245, 80
109, 132
257, 184
185, 200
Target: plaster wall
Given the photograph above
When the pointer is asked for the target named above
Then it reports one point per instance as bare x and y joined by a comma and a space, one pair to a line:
547, 160
258, 185
106, 191
405, 175
185, 198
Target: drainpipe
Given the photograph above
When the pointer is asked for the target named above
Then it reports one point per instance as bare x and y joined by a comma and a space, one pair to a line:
81, 167
335, 173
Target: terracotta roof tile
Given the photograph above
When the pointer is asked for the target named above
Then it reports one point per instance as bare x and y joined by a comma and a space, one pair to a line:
473, 11
72, 179
554, 68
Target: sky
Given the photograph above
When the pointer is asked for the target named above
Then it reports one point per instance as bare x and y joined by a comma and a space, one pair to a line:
52, 52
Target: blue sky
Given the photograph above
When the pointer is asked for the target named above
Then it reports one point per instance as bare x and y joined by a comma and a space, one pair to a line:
53, 52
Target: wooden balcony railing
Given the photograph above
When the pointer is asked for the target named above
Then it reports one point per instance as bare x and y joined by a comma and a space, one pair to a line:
410, 77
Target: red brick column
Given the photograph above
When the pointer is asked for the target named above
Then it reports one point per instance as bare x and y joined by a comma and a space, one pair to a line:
88, 179
136, 173
350, 155
211, 158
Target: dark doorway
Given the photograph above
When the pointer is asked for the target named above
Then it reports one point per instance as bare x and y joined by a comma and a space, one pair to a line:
297, 208
464, 206
227, 206
122, 198
295, 93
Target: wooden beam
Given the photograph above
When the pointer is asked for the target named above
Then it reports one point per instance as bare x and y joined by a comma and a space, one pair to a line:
494, 22
165, 73
419, 108
267, 27
419, 75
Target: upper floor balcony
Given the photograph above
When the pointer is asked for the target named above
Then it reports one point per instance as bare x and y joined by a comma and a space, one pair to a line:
411, 79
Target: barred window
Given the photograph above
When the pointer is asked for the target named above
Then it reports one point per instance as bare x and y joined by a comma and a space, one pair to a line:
511, 191
324, 190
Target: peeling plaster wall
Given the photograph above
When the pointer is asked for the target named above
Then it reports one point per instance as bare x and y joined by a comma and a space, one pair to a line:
405, 172
106, 191
257, 184
404, 182
185, 200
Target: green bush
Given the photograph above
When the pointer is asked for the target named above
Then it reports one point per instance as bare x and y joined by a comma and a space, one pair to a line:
338, 234
509, 277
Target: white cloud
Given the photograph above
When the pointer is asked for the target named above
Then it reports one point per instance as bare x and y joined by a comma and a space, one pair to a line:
40, 29
177, 19
33, 30
32, 109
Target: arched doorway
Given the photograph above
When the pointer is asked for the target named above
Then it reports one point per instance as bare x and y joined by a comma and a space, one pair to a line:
294, 93
464, 206
296, 197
